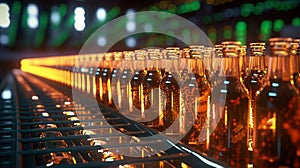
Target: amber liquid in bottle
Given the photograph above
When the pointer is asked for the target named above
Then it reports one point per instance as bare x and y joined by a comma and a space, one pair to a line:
115, 81
276, 106
151, 91
256, 77
229, 111
125, 98
171, 101
136, 83
196, 91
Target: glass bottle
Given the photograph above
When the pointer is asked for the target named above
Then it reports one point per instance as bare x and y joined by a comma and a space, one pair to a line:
98, 80
229, 110
184, 56
126, 74
244, 63
136, 83
171, 92
295, 54
207, 60
196, 91
216, 63
105, 79
276, 105
115, 82
256, 76
151, 110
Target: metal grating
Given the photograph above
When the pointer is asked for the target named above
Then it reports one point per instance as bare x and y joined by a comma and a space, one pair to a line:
41, 126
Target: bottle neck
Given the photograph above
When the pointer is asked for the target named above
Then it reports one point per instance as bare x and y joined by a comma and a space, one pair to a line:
229, 67
171, 65
256, 62
279, 68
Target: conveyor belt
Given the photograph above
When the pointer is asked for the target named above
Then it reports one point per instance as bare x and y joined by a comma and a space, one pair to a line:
40, 125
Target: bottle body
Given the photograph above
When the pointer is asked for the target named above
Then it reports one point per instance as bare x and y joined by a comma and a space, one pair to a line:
196, 92
228, 141
275, 106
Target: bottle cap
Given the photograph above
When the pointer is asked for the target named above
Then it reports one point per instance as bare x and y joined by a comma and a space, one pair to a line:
108, 56
153, 54
118, 55
196, 51
128, 55
231, 48
257, 49
140, 54
280, 46
172, 53
295, 47
219, 51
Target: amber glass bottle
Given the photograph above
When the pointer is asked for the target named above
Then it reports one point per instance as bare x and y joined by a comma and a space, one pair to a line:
105, 79
229, 110
139, 65
126, 75
115, 80
171, 91
276, 106
151, 109
196, 91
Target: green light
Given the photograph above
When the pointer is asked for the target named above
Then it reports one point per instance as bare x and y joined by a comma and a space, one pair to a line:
113, 13
241, 25
153, 8
241, 32
13, 28
227, 34
41, 32
218, 17
188, 7
278, 25
259, 8
212, 35
296, 21
62, 9
268, 5
207, 19
246, 9
265, 29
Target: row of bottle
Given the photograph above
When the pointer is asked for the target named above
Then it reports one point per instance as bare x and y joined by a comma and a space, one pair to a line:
233, 107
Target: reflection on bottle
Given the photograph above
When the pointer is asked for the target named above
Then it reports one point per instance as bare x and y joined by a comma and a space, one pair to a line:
126, 75
195, 93
136, 83
171, 101
276, 106
229, 111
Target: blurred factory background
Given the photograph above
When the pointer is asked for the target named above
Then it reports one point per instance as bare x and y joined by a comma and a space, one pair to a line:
34, 28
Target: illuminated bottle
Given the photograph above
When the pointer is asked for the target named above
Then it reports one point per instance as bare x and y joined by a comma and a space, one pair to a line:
98, 80
136, 82
151, 109
195, 91
295, 60
115, 80
184, 57
244, 63
126, 75
257, 74
105, 79
229, 110
170, 86
94, 61
276, 105
207, 55
216, 63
